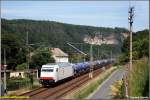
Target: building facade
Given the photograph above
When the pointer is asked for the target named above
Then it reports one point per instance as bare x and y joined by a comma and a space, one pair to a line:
59, 55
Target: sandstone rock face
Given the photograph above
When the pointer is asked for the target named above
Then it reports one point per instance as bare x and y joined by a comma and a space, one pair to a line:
98, 40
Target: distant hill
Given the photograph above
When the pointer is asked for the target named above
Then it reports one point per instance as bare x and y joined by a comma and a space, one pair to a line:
55, 33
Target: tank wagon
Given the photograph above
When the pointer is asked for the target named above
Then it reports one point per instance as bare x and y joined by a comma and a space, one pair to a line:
52, 73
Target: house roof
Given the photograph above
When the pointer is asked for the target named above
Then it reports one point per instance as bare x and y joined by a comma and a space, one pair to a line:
58, 52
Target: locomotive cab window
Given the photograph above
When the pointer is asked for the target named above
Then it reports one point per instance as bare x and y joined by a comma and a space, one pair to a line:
47, 70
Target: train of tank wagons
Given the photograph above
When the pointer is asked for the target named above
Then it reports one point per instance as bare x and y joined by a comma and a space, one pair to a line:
55, 72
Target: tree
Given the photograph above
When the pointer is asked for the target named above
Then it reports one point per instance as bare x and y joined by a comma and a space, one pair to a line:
21, 66
13, 46
140, 46
75, 58
41, 57
123, 58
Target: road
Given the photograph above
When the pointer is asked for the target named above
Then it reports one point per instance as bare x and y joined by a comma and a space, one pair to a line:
103, 91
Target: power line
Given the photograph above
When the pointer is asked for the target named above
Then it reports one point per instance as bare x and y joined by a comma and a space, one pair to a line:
76, 49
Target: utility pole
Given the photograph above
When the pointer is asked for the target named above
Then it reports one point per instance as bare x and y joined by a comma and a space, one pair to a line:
5, 83
91, 60
130, 18
98, 54
111, 55
91, 55
101, 37
27, 56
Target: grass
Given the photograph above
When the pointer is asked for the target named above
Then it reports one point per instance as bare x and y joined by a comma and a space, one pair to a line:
16, 85
22, 90
139, 78
90, 88
138, 81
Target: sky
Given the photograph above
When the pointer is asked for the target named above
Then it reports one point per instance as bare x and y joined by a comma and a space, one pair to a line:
91, 13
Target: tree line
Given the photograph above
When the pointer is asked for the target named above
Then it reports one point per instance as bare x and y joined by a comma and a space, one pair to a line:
140, 46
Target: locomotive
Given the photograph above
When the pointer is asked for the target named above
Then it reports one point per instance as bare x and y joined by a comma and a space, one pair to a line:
54, 72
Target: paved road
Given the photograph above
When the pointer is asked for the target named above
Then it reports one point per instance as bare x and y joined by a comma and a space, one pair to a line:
104, 91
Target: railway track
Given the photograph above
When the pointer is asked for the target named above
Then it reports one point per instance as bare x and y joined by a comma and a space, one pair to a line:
72, 87
60, 90
34, 92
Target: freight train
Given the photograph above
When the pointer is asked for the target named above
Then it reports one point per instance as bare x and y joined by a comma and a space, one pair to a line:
52, 73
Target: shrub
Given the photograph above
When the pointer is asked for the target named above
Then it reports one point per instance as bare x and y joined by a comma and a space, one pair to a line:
16, 83
118, 89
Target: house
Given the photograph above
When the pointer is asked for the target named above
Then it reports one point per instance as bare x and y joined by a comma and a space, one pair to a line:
20, 74
59, 55
10, 73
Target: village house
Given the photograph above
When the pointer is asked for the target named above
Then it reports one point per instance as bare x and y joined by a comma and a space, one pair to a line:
11, 73
20, 74
59, 55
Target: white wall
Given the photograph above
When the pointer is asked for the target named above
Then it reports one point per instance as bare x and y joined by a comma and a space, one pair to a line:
16, 74
60, 59
63, 59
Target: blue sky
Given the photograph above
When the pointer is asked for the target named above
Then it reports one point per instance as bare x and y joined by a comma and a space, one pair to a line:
92, 13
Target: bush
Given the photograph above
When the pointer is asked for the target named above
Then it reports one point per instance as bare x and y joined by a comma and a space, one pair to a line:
118, 89
16, 83
123, 58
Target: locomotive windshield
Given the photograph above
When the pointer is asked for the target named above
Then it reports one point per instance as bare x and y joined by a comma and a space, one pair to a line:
47, 70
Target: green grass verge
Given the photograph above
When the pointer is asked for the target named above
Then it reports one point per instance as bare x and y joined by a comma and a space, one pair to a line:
139, 78
90, 89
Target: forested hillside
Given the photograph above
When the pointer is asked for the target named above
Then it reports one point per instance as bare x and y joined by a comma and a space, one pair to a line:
52, 34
